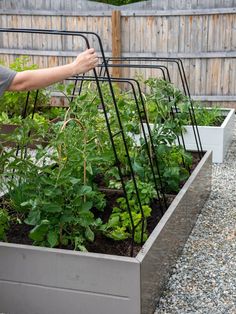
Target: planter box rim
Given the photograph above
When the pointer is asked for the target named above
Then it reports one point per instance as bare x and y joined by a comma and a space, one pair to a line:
68, 252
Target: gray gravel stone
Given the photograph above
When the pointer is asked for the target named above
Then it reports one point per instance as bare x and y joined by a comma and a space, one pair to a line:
204, 277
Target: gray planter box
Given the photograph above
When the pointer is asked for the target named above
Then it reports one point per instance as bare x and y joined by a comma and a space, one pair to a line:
37, 280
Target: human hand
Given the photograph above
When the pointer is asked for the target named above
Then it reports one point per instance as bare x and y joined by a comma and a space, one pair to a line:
85, 61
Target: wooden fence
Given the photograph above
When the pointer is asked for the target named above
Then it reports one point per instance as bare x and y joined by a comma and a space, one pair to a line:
201, 33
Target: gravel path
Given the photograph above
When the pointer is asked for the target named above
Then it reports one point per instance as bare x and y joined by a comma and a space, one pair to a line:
204, 278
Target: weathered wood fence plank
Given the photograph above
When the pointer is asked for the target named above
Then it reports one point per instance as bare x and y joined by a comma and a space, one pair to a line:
202, 33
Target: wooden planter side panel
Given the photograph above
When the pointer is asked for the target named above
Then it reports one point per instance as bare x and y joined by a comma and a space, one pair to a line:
163, 247
37, 281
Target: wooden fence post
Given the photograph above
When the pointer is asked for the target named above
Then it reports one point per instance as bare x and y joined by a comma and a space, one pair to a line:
116, 40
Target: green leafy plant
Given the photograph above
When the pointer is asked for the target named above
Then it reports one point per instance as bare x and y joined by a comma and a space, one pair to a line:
57, 197
173, 160
204, 116
122, 224
165, 102
12, 103
162, 100
4, 224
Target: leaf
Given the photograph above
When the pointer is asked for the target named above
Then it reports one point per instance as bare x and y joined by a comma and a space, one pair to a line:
74, 180
82, 248
138, 236
39, 232
67, 218
47, 181
138, 168
119, 234
85, 189
31, 203
85, 218
33, 217
97, 223
52, 208
146, 210
79, 244
121, 103
113, 221
52, 238
87, 206
89, 234
89, 169
48, 192
23, 204
82, 97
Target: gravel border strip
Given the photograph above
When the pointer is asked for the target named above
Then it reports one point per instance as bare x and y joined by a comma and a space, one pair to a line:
204, 277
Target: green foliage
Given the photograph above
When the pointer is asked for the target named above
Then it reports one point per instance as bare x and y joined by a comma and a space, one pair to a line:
5, 119
4, 224
173, 161
204, 116
168, 109
56, 197
27, 131
162, 99
120, 226
165, 102
12, 103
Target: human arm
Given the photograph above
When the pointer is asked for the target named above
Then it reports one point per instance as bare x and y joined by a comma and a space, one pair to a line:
35, 79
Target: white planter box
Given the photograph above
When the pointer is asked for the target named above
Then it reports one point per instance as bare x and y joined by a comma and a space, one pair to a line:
217, 139
37, 280
214, 138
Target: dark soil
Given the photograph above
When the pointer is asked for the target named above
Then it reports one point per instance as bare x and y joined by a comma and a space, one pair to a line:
18, 233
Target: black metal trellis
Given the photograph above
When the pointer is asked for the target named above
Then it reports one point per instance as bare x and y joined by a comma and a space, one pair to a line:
84, 35
166, 77
163, 69
107, 78
184, 82
151, 154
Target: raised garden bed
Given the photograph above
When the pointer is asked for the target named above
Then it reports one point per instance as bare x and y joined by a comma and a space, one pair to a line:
43, 280
55, 193
215, 138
